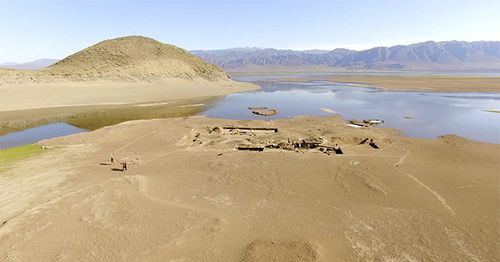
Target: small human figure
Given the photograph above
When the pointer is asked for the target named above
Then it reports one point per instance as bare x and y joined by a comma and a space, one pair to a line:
112, 159
124, 166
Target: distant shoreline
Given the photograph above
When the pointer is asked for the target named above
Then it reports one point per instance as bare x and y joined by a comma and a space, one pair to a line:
387, 80
92, 105
425, 83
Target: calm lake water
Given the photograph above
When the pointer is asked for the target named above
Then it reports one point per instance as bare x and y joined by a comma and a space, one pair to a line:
416, 114
33, 135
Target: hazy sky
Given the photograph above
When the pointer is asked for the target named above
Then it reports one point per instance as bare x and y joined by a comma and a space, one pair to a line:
32, 29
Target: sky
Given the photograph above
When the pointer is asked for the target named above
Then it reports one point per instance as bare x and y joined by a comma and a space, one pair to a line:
33, 29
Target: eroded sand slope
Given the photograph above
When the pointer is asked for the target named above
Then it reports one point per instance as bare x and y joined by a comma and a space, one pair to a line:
190, 196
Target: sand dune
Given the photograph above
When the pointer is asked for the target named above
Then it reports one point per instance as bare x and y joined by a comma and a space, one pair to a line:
189, 195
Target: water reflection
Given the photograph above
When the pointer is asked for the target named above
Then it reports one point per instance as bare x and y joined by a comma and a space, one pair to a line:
417, 114
36, 134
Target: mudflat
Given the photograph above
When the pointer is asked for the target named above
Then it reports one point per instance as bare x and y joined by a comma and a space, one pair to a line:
93, 117
402, 81
424, 83
190, 195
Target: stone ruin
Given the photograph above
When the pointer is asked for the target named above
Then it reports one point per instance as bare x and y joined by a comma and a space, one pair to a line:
245, 138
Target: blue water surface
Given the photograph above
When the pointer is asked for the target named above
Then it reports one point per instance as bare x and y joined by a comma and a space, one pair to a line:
416, 114
33, 135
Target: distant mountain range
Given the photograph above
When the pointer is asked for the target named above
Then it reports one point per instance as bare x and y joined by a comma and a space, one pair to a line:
450, 55
33, 65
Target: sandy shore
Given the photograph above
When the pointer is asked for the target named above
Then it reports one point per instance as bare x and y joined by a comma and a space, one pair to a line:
62, 94
92, 117
92, 105
189, 195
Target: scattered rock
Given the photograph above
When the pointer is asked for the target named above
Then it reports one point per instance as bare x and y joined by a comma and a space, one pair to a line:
363, 141
250, 147
354, 162
215, 130
263, 111
372, 144
364, 123
373, 121
328, 110
354, 125
338, 150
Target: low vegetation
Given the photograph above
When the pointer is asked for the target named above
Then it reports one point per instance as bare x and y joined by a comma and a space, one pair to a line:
19, 153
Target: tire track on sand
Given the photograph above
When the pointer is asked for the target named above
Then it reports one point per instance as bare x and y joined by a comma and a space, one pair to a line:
441, 199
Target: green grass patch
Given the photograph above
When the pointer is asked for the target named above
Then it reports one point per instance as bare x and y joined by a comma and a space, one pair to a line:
19, 153
94, 117
491, 110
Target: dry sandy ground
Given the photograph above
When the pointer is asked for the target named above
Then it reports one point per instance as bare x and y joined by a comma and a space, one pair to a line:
44, 95
190, 196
